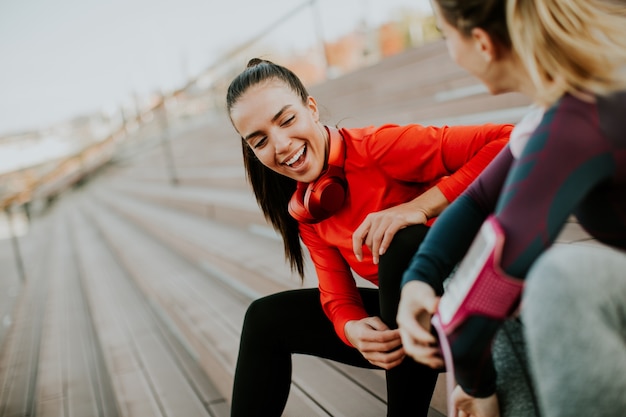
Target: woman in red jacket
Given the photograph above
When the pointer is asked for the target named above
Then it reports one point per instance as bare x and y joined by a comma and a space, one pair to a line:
361, 200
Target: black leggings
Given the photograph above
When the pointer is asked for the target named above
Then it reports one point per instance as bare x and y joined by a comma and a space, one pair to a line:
293, 321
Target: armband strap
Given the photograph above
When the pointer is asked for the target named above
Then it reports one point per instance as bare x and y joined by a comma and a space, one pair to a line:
478, 288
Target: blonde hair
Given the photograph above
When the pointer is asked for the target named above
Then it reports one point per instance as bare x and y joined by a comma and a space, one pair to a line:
570, 46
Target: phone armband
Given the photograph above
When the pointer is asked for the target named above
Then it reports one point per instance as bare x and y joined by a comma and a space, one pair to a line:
479, 287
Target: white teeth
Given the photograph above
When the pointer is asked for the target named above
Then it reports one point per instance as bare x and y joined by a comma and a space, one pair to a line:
296, 156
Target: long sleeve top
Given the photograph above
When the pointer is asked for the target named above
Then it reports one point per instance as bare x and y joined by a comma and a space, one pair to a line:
386, 166
574, 163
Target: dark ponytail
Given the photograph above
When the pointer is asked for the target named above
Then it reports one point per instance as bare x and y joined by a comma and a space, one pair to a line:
272, 190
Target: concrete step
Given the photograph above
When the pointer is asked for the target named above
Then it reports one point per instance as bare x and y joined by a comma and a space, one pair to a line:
85, 340
229, 206
152, 374
72, 378
19, 357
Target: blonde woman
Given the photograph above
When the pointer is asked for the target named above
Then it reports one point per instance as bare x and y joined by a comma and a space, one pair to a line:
568, 157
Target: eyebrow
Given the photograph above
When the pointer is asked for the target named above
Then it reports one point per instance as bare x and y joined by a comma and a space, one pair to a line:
276, 117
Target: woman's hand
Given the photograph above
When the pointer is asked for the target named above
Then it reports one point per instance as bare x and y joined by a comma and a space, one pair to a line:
418, 303
379, 228
376, 342
468, 406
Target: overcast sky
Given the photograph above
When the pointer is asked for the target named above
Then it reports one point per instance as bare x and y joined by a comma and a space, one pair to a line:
61, 58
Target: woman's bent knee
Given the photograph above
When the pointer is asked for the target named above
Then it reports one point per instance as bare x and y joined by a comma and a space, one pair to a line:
571, 277
260, 317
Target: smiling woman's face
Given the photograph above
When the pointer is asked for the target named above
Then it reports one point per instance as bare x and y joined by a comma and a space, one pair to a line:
283, 132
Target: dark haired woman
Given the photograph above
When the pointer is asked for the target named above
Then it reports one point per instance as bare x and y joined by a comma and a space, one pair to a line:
360, 200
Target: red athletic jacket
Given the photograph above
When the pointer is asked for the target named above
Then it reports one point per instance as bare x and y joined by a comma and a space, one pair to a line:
386, 166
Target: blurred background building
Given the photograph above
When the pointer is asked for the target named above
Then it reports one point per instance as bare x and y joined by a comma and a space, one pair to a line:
38, 163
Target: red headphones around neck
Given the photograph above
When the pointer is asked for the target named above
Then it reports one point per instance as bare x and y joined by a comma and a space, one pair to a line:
318, 200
